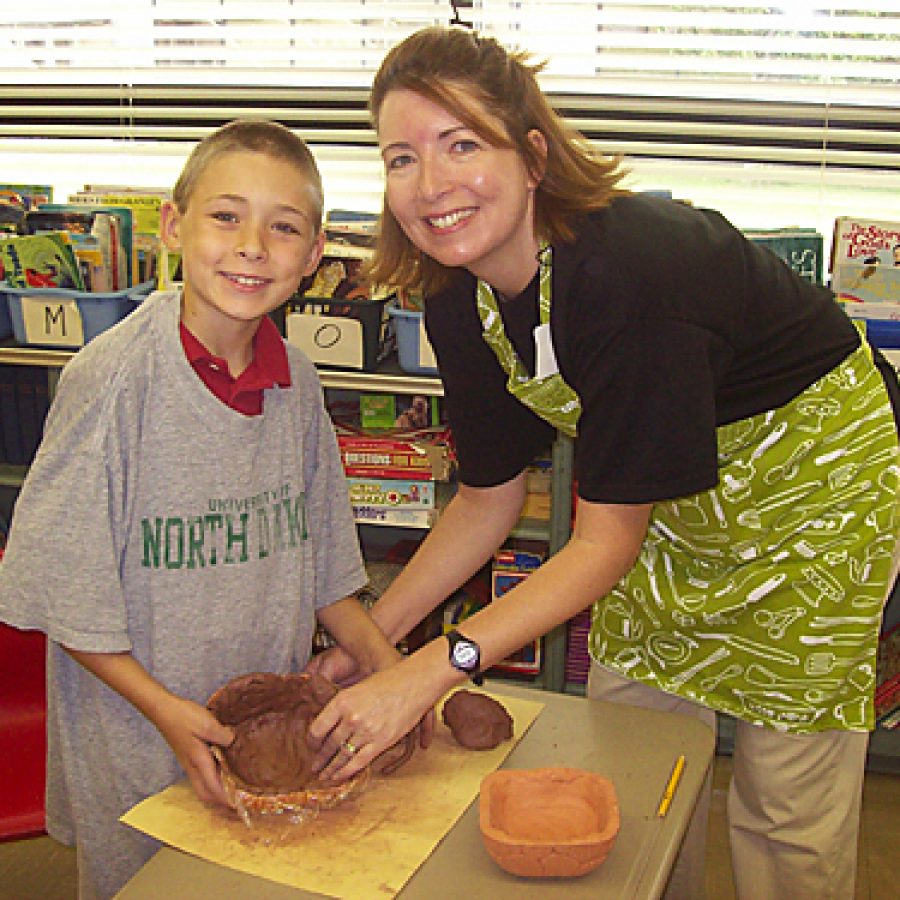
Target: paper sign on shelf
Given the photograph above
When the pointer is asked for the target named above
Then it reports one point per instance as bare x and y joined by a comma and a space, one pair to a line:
330, 340
52, 321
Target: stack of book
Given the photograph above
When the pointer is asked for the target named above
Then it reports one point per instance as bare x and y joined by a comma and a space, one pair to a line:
578, 657
104, 240
144, 204
400, 478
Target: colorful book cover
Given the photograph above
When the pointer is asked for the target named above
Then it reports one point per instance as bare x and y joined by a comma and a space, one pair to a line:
39, 261
144, 205
94, 271
866, 283
865, 260
28, 195
44, 219
376, 457
392, 493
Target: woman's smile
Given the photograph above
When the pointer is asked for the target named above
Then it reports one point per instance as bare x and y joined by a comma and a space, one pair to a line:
458, 198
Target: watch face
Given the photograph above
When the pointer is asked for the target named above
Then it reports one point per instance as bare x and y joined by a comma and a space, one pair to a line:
465, 656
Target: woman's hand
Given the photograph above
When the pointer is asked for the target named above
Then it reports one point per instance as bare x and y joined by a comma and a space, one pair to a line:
189, 729
366, 719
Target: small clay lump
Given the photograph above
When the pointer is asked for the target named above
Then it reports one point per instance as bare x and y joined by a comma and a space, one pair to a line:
477, 722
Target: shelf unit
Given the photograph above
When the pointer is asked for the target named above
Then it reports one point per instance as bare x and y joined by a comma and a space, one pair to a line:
885, 746
387, 380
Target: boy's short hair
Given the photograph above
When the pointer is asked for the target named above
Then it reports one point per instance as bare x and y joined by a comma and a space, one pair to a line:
258, 136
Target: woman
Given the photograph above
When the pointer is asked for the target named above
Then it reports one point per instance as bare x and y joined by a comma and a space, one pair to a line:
736, 456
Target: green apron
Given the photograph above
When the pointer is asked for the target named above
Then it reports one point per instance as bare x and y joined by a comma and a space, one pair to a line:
761, 597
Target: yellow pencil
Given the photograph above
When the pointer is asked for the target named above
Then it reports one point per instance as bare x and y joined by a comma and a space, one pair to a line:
671, 787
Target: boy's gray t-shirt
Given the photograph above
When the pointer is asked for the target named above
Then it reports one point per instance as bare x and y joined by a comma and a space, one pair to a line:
158, 521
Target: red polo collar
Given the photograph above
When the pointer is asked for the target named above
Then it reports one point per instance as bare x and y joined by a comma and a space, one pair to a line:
268, 367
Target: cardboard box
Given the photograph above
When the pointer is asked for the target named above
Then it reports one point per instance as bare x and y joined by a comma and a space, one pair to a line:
388, 501
366, 456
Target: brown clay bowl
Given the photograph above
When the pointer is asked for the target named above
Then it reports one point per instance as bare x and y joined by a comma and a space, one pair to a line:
551, 822
267, 770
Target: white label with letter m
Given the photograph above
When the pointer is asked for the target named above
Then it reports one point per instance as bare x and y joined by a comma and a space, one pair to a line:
53, 321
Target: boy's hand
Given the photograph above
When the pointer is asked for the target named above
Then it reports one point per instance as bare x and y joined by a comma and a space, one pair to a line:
335, 664
189, 729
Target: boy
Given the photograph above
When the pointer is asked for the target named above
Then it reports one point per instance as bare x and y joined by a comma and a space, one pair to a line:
186, 518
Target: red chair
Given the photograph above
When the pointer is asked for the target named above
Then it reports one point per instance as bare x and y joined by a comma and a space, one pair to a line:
23, 732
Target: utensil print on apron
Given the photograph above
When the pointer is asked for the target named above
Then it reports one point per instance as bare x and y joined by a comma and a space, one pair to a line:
808, 538
787, 555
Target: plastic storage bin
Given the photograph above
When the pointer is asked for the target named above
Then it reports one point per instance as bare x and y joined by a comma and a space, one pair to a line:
883, 333
56, 317
344, 334
415, 352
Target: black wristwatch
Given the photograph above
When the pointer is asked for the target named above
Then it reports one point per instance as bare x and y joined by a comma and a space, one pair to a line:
465, 655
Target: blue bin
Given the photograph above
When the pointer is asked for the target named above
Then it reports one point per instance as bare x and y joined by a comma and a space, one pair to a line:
883, 333
98, 311
410, 335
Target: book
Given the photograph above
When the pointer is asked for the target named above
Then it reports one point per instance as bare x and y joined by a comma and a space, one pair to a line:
39, 261
887, 310
9, 418
802, 249
27, 409
29, 195
510, 567
392, 493
865, 260
378, 457
887, 682
123, 274
95, 272
404, 504
12, 218
41, 401
145, 205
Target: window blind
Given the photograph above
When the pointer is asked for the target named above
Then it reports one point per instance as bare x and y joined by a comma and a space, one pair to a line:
805, 82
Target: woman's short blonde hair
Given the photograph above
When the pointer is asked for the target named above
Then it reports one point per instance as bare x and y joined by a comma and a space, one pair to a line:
496, 94
258, 136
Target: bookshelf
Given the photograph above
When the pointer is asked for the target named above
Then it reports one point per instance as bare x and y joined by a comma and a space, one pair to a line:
388, 379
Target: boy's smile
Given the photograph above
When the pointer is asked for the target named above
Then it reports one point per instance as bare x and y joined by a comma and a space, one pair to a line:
247, 238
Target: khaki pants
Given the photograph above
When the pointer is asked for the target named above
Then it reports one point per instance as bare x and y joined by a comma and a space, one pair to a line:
793, 805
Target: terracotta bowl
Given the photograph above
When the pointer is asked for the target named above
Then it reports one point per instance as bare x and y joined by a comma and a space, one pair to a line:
270, 714
548, 822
